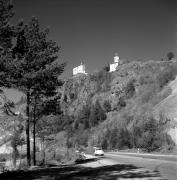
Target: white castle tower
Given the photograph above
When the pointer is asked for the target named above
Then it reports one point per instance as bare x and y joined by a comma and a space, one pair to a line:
79, 69
115, 64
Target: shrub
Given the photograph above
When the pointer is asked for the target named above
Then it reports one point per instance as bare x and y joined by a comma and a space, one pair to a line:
150, 135
106, 68
124, 139
4, 157
116, 138
130, 89
121, 103
84, 116
146, 78
170, 55
107, 106
59, 157
23, 164
103, 79
161, 95
148, 93
82, 137
97, 114
166, 76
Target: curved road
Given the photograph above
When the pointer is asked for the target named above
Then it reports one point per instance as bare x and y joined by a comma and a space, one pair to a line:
165, 164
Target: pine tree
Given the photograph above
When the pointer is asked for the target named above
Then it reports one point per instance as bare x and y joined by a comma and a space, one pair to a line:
43, 106
7, 33
97, 114
34, 67
6, 30
84, 116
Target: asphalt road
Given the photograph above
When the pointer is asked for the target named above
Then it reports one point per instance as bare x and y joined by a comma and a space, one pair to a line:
165, 164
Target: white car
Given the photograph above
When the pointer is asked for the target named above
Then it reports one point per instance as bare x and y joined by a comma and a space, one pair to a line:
98, 152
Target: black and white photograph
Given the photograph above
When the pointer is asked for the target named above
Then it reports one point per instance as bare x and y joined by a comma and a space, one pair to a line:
88, 90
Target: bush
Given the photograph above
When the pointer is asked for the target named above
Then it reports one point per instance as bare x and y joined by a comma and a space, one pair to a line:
124, 139
59, 157
116, 138
130, 89
166, 76
4, 157
107, 106
170, 55
150, 135
97, 114
103, 79
82, 137
146, 79
148, 94
161, 95
23, 164
121, 103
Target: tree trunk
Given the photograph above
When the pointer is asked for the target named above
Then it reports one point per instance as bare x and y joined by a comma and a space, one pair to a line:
34, 144
28, 130
34, 134
43, 150
14, 157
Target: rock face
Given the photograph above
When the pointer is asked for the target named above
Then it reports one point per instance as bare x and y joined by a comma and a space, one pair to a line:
76, 92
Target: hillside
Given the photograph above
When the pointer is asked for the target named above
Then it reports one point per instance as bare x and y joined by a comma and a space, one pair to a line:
122, 103
169, 104
169, 107
133, 107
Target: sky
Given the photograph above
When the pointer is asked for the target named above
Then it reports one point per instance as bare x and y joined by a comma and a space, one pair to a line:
92, 31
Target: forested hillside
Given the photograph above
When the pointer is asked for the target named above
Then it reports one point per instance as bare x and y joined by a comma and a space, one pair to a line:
117, 110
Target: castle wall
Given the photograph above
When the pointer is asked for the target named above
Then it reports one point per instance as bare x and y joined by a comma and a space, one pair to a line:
113, 67
79, 69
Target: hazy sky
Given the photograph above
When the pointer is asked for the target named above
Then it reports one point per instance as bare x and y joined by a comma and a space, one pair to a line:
91, 31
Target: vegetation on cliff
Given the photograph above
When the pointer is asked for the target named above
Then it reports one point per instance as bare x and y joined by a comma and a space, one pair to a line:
115, 110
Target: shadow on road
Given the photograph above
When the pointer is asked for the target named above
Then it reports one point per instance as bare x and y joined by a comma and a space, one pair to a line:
77, 172
83, 161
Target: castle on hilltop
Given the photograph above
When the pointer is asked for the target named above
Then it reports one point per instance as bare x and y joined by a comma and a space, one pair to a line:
81, 68
113, 66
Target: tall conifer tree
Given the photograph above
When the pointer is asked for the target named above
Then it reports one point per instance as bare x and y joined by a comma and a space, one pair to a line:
34, 66
6, 35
